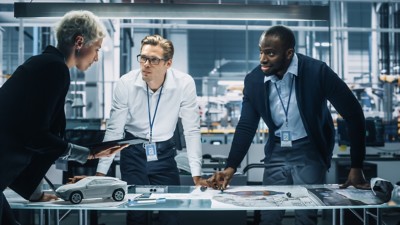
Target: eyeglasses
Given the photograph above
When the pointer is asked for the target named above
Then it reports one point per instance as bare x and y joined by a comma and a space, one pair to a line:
152, 60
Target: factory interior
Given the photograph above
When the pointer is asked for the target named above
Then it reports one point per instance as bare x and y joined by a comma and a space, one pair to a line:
218, 46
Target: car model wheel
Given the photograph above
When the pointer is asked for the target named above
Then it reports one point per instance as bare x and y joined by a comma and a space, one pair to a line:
118, 195
76, 197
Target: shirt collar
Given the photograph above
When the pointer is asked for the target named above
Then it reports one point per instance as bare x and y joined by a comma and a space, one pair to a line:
292, 69
168, 83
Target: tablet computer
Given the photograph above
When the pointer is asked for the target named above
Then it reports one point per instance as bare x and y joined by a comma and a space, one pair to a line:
100, 146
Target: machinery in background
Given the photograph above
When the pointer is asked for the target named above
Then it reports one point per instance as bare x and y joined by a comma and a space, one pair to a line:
374, 134
379, 128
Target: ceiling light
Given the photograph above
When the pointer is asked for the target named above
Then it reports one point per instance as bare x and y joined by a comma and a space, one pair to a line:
178, 11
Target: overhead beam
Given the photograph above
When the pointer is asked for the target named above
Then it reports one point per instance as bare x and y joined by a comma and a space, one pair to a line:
178, 11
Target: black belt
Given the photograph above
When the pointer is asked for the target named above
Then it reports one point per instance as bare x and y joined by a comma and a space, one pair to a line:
278, 139
162, 144
165, 149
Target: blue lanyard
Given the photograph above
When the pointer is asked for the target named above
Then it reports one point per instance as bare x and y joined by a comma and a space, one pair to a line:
286, 110
151, 122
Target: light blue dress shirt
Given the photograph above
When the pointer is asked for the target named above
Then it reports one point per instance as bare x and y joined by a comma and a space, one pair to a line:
295, 124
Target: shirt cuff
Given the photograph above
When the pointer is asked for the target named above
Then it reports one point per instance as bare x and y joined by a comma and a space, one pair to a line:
77, 153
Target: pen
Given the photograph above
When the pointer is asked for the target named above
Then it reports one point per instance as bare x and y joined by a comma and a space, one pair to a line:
146, 200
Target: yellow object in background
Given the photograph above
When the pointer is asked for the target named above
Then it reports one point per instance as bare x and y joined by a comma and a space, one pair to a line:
342, 148
5, 75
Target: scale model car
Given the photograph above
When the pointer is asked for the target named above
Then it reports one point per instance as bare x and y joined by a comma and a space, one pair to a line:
93, 187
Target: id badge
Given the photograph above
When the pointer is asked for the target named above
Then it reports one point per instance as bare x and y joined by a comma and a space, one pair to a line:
151, 151
286, 138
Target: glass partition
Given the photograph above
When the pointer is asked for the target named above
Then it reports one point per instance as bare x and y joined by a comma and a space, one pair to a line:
358, 42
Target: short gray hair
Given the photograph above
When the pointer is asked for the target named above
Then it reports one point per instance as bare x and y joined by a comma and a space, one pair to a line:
76, 23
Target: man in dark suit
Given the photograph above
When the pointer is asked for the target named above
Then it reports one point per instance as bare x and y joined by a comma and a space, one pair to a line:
289, 91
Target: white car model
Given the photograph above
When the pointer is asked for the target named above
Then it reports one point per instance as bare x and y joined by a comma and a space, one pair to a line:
93, 187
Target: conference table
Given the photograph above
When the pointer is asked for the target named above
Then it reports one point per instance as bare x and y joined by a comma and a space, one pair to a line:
233, 199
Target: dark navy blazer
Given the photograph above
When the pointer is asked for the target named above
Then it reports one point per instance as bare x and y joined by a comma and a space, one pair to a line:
32, 120
315, 84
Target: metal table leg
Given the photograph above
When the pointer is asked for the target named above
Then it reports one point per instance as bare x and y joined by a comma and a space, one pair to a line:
341, 216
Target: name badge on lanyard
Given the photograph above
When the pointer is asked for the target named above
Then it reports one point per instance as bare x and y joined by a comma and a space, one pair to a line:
286, 138
286, 134
151, 151
150, 147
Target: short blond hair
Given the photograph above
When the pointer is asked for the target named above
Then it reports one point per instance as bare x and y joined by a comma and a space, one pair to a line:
165, 44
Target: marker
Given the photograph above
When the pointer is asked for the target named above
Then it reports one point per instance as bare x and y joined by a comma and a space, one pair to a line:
146, 201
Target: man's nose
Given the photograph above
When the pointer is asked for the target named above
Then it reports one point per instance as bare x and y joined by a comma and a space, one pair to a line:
147, 62
263, 58
96, 57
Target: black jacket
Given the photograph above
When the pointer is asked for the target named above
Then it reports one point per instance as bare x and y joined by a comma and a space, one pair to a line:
32, 120
315, 84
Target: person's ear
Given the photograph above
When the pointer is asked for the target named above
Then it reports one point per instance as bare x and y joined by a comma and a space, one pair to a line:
289, 53
79, 42
169, 63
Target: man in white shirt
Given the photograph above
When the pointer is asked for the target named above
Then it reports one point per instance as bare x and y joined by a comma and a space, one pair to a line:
147, 104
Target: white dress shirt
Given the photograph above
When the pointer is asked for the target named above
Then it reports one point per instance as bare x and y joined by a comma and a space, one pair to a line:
129, 111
